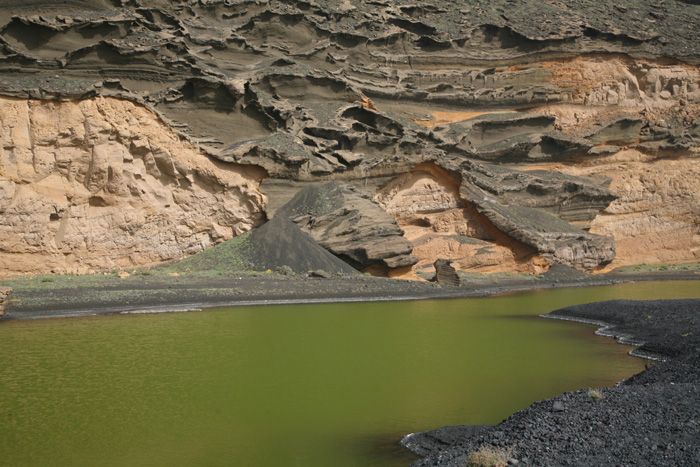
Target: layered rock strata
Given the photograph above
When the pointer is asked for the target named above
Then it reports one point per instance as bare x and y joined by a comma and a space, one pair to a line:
446, 274
351, 226
655, 219
461, 218
553, 134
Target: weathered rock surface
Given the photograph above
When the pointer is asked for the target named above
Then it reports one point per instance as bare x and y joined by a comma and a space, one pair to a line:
577, 200
4, 292
100, 184
529, 238
446, 274
553, 238
655, 217
429, 207
350, 225
319, 91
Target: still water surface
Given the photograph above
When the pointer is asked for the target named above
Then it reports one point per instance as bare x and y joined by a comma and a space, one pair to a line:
295, 385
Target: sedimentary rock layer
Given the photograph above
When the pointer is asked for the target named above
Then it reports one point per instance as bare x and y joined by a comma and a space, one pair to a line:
655, 218
351, 226
102, 183
548, 138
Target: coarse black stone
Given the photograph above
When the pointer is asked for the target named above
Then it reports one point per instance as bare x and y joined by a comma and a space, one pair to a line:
650, 419
557, 406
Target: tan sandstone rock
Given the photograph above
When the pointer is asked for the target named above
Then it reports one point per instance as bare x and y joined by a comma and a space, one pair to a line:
4, 293
427, 205
656, 217
103, 183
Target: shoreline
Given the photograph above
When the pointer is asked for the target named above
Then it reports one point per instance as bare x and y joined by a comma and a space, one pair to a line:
647, 419
608, 330
557, 431
71, 296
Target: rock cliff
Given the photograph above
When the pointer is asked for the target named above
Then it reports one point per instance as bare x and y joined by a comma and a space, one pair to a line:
135, 132
102, 183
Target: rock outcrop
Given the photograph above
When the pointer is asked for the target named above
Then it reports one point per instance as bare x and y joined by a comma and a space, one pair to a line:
553, 239
446, 274
351, 226
101, 184
548, 139
441, 223
655, 218
4, 293
482, 218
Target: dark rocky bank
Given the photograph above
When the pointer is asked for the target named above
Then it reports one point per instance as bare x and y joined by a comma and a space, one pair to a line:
650, 419
190, 285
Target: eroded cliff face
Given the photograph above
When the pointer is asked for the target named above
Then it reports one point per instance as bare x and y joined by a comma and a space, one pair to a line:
441, 224
102, 183
642, 116
656, 216
352, 226
495, 139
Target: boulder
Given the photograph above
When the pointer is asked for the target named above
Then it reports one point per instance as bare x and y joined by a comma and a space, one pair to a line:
446, 274
349, 224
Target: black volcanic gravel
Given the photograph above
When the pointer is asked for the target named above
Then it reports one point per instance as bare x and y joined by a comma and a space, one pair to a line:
650, 419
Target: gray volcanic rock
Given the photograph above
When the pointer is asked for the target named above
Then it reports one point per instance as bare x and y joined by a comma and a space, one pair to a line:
621, 132
573, 199
280, 242
553, 238
523, 206
279, 245
278, 84
350, 225
496, 136
446, 274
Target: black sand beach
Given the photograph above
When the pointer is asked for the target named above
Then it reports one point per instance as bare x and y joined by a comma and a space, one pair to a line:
151, 291
652, 418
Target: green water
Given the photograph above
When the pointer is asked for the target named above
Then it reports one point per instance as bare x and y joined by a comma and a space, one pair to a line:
295, 385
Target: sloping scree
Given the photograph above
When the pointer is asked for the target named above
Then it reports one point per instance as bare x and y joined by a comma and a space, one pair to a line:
280, 243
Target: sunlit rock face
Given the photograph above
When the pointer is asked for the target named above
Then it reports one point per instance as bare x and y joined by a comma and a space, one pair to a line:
463, 221
493, 138
655, 218
102, 183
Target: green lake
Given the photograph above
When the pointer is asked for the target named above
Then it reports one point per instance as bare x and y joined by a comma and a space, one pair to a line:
292, 385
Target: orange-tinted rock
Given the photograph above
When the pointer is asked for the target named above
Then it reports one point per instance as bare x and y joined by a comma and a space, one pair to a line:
364, 92
102, 183
656, 216
461, 221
